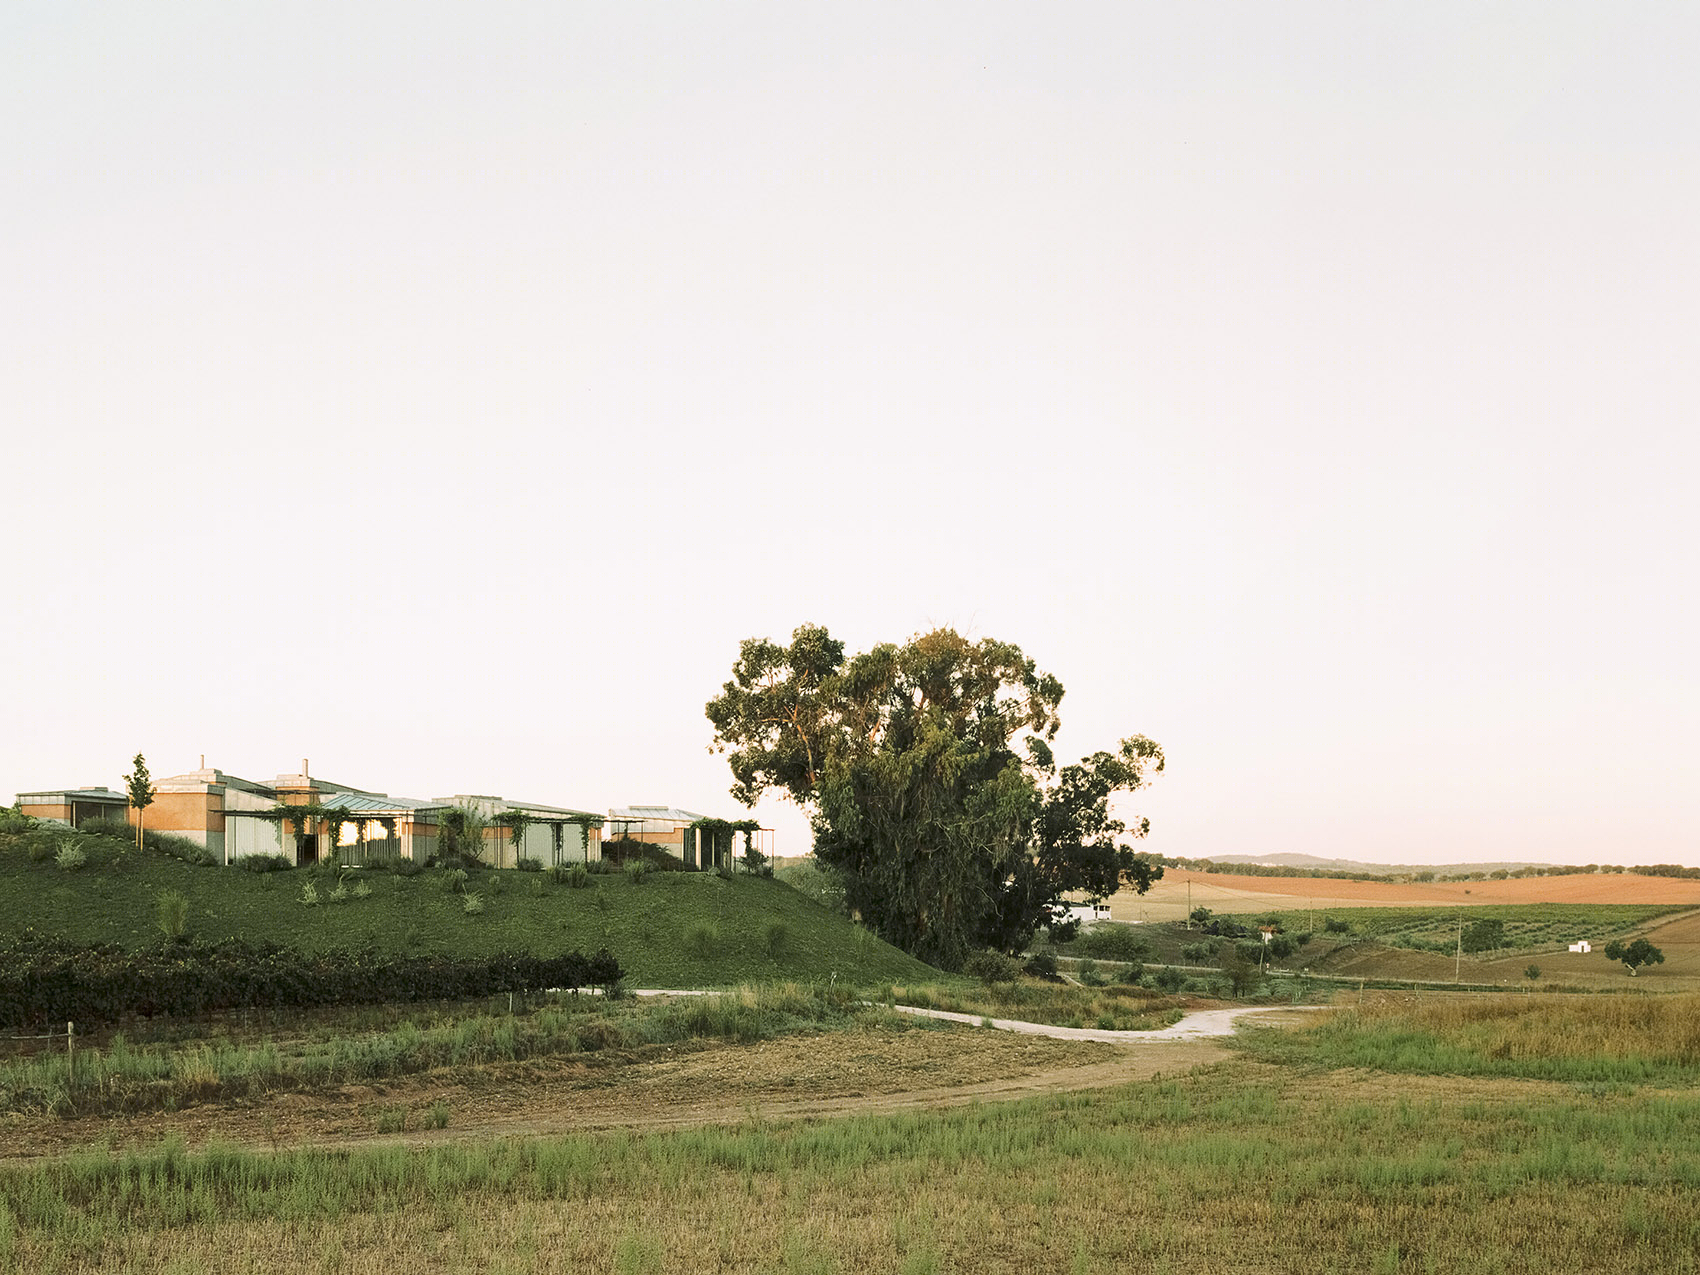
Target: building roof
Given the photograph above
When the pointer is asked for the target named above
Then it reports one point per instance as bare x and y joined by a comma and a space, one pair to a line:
86, 794
671, 814
360, 802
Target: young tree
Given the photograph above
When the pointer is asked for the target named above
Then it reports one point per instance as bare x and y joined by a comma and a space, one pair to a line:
928, 773
141, 791
1634, 955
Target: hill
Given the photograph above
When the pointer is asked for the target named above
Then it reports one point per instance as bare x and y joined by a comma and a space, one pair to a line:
674, 929
1180, 890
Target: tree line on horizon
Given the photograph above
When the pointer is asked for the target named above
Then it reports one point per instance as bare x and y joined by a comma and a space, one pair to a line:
1402, 875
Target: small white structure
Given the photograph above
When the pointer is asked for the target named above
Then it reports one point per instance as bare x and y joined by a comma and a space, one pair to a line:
1085, 913
1583, 946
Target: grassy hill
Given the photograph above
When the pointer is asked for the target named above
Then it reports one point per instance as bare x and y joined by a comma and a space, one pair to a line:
684, 929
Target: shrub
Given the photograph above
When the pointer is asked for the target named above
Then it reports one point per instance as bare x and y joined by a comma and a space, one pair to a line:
472, 904
1532, 973
42, 848
702, 938
636, 870
1198, 952
1336, 926
70, 856
407, 867
776, 937
574, 877
265, 863
14, 821
529, 865
361, 890
1087, 971
723, 871
1200, 915
47, 980
309, 894
991, 967
622, 850
1110, 941
1043, 964
437, 1115
392, 1120
1131, 976
339, 894
454, 880
1170, 980
172, 914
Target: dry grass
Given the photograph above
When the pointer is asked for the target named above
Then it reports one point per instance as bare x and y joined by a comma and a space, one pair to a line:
1233, 1169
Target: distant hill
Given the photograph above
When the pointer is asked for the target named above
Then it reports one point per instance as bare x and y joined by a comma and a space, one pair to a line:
1309, 862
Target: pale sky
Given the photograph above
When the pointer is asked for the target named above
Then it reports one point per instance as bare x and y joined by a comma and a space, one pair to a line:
441, 392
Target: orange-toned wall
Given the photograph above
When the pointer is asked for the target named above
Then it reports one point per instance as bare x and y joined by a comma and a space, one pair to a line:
61, 813
185, 811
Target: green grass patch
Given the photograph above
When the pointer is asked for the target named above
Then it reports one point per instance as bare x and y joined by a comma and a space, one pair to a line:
1620, 1039
113, 898
114, 1073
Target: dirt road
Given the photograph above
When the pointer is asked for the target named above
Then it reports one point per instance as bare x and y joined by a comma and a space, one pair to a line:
872, 1069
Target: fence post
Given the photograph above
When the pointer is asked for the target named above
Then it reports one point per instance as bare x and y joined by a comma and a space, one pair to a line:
70, 1053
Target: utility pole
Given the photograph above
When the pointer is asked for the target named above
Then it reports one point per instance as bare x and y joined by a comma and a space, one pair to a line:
1189, 903
1458, 960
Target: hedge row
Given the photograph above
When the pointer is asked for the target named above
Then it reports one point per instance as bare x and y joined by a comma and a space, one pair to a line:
45, 982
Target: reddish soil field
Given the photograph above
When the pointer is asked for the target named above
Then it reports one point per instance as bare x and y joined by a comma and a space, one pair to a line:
1222, 892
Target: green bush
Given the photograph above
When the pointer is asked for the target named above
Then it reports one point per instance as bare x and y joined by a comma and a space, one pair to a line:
1043, 964
172, 913
1170, 980
407, 867
529, 865
70, 856
574, 876
1198, 953
42, 847
437, 1115
454, 880
309, 894
636, 870
472, 904
265, 863
991, 967
1336, 926
776, 937
702, 939
1111, 941
14, 821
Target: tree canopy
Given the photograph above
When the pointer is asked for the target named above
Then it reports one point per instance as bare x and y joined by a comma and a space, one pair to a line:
932, 789
1635, 954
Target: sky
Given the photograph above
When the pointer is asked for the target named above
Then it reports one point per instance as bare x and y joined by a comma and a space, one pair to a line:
442, 392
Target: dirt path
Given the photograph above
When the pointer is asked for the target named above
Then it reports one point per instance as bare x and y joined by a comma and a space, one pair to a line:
1205, 1024
875, 1069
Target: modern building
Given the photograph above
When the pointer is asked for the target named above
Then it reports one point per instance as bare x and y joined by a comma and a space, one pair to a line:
680, 834
233, 817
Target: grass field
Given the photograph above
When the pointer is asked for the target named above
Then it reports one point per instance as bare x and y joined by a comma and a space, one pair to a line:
1271, 1161
683, 929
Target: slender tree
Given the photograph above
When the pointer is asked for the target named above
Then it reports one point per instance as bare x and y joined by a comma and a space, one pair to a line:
141, 792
